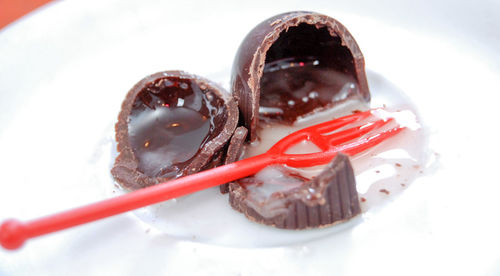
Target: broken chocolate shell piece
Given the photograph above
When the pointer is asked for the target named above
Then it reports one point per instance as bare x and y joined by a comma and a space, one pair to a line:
171, 124
293, 64
234, 151
287, 200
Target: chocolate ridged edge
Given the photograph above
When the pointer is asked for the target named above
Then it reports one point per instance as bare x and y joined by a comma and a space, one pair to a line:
249, 62
125, 169
335, 200
234, 151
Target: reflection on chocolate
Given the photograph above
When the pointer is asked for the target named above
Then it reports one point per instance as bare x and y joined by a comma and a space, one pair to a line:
170, 121
171, 124
291, 88
294, 63
265, 190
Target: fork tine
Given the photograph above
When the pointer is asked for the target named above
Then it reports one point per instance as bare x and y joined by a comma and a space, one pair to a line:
351, 149
363, 144
355, 132
316, 130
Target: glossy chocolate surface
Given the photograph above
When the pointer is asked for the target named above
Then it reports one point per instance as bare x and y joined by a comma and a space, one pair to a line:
171, 124
294, 88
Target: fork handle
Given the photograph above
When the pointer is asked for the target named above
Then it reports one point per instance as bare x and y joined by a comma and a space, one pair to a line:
14, 233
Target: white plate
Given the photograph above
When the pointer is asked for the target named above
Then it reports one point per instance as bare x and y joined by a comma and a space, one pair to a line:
65, 69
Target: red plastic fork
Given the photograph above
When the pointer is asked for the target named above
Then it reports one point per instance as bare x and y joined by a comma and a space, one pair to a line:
14, 233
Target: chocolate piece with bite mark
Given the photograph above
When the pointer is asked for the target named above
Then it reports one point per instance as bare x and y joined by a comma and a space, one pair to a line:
329, 198
171, 124
310, 56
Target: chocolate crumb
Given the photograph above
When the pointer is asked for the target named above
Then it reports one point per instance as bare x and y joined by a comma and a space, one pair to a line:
356, 111
398, 165
403, 185
384, 191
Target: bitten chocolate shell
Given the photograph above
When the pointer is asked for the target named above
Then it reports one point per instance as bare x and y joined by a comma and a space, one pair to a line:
171, 124
293, 64
279, 197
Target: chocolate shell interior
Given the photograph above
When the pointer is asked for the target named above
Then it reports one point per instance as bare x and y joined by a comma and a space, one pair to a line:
305, 69
171, 124
293, 64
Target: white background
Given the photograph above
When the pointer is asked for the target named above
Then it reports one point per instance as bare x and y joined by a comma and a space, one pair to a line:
65, 68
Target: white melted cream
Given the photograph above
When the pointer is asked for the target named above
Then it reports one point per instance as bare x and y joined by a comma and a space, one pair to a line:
406, 162
270, 133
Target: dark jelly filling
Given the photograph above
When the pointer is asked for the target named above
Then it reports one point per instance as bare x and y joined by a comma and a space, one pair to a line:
171, 120
305, 69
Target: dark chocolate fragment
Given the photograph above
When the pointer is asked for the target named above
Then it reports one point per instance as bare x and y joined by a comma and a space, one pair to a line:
329, 198
293, 64
171, 124
234, 151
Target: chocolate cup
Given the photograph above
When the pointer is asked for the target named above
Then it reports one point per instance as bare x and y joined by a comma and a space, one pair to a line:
126, 170
329, 198
250, 59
